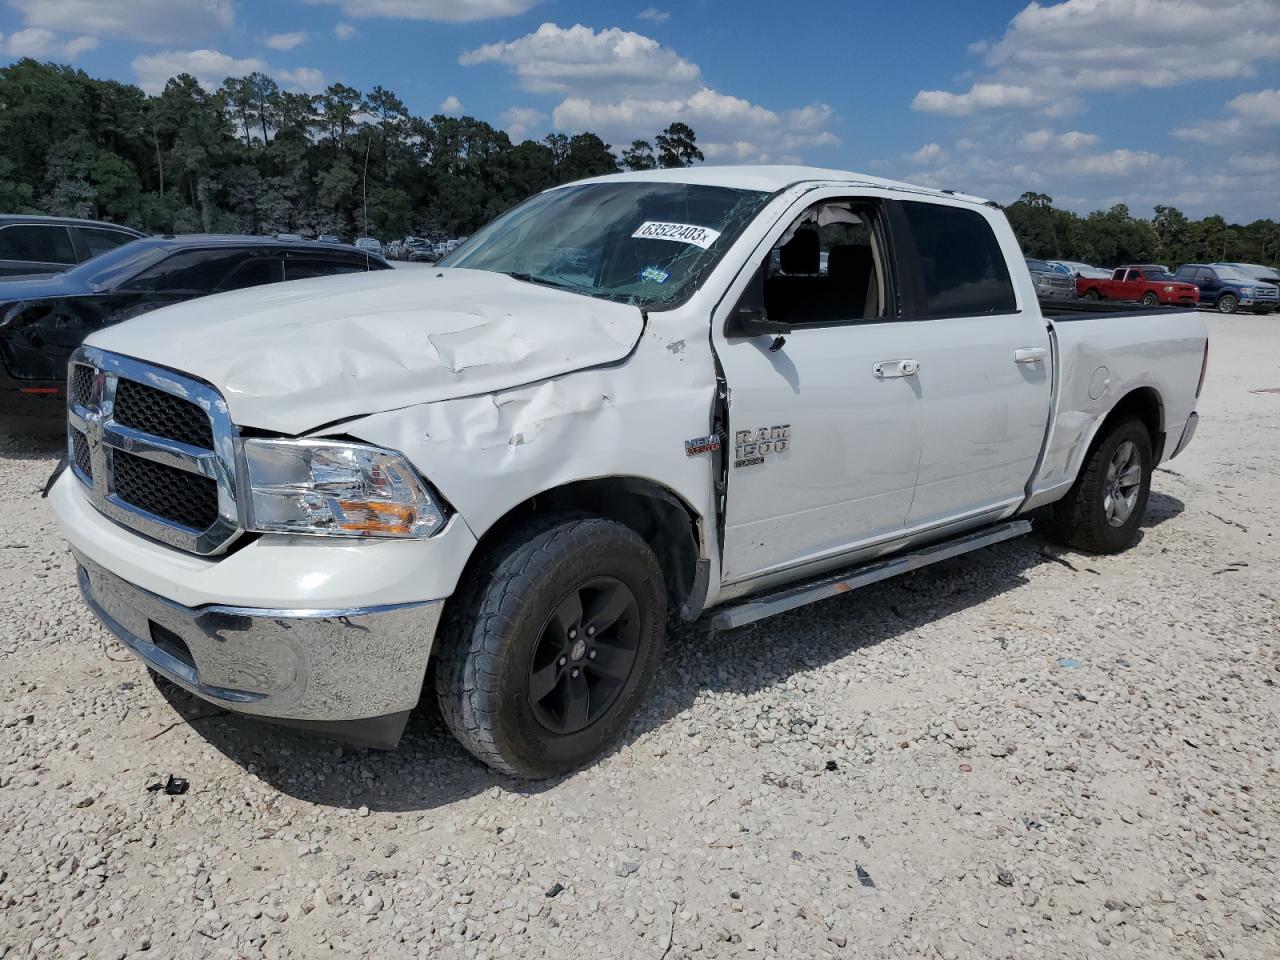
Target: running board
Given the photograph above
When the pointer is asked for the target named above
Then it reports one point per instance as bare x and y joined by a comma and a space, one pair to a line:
766, 605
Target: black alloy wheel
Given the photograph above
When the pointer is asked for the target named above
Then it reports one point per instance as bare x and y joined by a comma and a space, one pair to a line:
584, 655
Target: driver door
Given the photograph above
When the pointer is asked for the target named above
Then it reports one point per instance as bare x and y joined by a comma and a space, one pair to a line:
824, 424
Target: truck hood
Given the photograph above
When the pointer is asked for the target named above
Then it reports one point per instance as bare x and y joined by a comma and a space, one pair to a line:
290, 357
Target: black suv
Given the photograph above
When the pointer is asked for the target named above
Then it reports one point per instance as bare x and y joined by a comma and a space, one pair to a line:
32, 245
44, 318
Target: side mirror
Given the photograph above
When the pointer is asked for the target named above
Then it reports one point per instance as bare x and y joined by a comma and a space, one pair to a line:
749, 317
755, 322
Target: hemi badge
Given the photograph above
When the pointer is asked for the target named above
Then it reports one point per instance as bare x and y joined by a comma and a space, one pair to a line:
701, 445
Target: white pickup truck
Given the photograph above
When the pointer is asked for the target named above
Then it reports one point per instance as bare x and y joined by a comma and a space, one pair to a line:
715, 392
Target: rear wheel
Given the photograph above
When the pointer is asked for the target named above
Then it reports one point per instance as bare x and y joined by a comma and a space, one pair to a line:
1227, 303
1105, 506
551, 645
1149, 299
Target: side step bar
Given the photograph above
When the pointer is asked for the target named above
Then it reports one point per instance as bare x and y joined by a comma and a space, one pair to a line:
798, 595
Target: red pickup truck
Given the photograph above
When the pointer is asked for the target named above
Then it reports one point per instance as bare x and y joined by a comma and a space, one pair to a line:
1144, 283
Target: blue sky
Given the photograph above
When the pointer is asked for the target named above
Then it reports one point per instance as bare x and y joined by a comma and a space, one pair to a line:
1091, 101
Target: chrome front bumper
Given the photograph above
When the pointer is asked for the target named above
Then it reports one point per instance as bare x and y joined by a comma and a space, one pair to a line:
1188, 432
321, 666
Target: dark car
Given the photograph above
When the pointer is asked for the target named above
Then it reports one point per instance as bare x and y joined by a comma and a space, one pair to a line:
1227, 288
43, 319
35, 245
417, 250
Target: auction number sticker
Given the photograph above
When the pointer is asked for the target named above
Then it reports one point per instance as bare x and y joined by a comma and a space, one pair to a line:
679, 232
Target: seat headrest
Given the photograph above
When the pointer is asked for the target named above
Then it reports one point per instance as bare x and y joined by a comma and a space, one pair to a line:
849, 262
800, 254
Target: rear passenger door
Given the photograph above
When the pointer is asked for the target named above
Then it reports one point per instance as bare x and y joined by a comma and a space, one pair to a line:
984, 363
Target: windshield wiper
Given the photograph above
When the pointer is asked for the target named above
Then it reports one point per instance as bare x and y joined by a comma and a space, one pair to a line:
545, 281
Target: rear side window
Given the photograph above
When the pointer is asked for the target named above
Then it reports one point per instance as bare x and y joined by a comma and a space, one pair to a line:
1187, 273
194, 271
98, 241
306, 269
36, 243
961, 264
254, 274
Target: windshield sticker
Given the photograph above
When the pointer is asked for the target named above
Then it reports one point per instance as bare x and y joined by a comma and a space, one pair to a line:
656, 274
679, 232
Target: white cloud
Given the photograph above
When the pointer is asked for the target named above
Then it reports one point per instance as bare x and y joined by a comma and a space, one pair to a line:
285, 41
344, 31
624, 85
211, 67
301, 80
38, 42
1255, 114
451, 11
929, 153
654, 15
1116, 163
151, 21
1054, 52
979, 96
451, 106
1044, 139
555, 59
519, 122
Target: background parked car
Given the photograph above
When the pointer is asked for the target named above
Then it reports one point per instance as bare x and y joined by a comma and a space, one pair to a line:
371, 244
328, 238
43, 319
1086, 270
36, 245
1227, 288
1255, 270
1051, 283
418, 250
1146, 283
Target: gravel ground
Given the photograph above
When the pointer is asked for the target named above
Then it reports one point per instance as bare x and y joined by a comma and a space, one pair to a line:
1026, 753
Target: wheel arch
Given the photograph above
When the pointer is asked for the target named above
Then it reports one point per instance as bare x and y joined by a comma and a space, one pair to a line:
671, 527
1147, 405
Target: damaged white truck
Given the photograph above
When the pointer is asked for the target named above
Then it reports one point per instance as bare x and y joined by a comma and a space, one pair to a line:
714, 392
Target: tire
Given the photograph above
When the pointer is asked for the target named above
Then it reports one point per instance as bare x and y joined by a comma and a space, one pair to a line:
1149, 299
1092, 294
1101, 513
511, 629
1227, 303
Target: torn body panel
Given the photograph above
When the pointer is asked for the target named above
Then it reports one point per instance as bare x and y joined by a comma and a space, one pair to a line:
488, 454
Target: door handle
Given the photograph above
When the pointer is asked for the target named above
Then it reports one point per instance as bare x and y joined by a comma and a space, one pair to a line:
891, 369
1030, 354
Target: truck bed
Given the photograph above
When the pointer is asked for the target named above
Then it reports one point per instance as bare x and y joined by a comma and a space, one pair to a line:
1062, 311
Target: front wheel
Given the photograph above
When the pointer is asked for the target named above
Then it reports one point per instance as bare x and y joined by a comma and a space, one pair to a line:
1227, 303
1105, 506
1149, 299
1092, 294
550, 644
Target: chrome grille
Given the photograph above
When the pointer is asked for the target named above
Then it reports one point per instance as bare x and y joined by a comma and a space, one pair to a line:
156, 450
162, 414
176, 495
80, 455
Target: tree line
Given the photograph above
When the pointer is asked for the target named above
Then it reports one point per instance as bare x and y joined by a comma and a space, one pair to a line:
1115, 236
253, 158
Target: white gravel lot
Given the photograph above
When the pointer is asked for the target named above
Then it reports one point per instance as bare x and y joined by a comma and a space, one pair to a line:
907, 771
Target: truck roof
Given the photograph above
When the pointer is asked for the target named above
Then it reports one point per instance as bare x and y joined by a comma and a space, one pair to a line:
774, 177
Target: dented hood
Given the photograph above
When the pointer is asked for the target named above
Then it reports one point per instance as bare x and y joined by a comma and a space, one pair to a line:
293, 356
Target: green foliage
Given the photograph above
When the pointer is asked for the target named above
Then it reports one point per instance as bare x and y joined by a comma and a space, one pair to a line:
1114, 237
677, 146
250, 157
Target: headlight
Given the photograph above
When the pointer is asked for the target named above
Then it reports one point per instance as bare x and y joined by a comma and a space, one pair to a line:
336, 489
1246, 291
1168, 289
